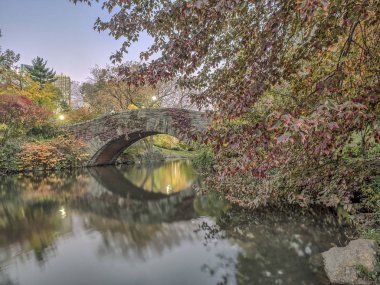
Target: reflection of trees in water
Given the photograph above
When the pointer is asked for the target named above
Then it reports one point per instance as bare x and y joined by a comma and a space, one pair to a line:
171, 208
5, 279
30, 217
140, 241
54, 186
113, 180
211, 204
30, 220
276, 246
70, 185
30, 228
167, 177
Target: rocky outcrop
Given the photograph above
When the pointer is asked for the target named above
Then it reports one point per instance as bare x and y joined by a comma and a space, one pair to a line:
341, 263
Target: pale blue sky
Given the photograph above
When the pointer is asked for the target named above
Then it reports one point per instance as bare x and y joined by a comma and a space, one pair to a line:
60, 32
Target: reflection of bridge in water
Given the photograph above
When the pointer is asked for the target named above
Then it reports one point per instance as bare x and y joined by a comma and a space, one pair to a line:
114, 180
130, 203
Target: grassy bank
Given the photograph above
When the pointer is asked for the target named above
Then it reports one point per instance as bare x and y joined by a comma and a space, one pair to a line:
158, 148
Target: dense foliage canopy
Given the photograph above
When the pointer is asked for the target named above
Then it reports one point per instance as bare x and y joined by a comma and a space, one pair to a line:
291, 82
34, 84
106, 91
18, 114
20, 83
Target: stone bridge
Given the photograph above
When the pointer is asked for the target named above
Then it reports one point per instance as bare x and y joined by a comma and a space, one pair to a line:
108, 136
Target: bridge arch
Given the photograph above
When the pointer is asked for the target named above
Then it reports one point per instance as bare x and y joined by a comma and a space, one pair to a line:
109, 153
108, 136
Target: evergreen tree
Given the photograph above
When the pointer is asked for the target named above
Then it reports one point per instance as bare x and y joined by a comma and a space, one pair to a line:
40, 73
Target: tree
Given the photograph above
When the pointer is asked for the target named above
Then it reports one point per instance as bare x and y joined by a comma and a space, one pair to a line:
8, 58
40, 73
291, 82
107, 90
20, 83
170, 95
13, 81
19, 114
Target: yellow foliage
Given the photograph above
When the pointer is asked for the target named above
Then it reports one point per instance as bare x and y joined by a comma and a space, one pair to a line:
173, 176
46, 95
80, 115
21, 84
166, 141
132, 107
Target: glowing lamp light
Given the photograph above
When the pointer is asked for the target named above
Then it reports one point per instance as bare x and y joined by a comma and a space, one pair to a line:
154, 98
169, 189
61, 117
62, 211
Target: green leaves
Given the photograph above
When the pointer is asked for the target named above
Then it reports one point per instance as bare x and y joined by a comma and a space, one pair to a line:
39, 72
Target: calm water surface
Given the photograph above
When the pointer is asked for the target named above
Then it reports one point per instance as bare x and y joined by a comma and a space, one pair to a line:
145, 225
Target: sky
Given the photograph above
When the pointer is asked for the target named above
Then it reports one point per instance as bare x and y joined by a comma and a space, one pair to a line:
61, 33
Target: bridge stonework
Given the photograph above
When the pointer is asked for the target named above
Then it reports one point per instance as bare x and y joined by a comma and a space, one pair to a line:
108, 136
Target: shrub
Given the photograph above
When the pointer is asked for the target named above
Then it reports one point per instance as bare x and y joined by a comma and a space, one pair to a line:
60, 152
19, 114
205, 160
40, 155
152, 156
80, 115
46, 131
371, 195
72, 148
8, 156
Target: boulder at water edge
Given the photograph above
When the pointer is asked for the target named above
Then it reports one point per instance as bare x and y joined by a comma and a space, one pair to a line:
341, 263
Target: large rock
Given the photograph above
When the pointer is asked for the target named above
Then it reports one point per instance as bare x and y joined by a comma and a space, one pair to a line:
341, 263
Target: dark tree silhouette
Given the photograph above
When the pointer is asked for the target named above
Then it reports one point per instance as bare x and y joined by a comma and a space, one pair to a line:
40, 73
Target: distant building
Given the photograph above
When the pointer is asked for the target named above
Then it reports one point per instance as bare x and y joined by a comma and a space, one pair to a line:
63, 83
76, 95
25, 67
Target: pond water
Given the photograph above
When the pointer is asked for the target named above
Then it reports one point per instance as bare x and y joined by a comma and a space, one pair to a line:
146, 225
